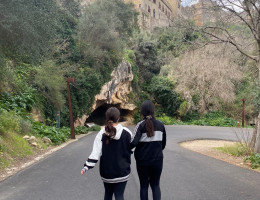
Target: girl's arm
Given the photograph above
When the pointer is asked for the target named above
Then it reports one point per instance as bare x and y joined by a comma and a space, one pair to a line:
95, 154
136, 136
164, 138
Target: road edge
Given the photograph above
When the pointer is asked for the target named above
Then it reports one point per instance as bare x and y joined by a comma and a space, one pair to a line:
13, 169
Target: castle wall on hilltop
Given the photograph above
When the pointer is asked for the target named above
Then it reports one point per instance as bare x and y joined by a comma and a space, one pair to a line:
203, 12
156, 13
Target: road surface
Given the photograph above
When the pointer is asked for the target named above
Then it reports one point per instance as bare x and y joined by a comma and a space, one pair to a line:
186, 175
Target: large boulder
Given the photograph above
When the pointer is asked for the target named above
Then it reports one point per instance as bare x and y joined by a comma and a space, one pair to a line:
115, 92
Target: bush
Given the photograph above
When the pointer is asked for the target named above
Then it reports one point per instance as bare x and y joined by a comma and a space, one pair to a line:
255, 160
147, 60
167, 120
214, 119
94, 128
162, 90
50, 81
57, 136
184, 107
19, 102
209, 119
81, 130
85, 130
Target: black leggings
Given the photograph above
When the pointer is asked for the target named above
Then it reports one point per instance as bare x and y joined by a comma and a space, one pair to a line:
114, 188
150, 175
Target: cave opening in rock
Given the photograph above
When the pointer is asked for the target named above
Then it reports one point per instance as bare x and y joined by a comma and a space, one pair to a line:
98, 115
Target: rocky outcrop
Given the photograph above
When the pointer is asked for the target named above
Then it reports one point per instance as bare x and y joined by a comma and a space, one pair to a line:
116, 91
33, 141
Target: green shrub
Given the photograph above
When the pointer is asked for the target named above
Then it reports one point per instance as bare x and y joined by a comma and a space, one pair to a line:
94, 128
81, 130
19, 102
210, 119
49, 79
162, 90
183, 108
57, 136
147, 60
167, 120
85, 130
213, 119
255, 160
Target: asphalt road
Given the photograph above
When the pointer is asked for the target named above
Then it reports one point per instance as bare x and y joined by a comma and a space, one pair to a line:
186, 175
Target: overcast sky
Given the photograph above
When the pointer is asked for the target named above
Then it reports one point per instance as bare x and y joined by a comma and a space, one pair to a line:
188, 2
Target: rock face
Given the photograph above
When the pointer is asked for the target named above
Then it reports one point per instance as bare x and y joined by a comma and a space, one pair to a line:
116, 91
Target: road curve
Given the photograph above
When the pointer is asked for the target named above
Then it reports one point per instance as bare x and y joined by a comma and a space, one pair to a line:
186, 175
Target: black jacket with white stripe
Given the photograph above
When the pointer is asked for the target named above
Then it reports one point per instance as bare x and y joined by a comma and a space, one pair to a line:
149, 149
115, 157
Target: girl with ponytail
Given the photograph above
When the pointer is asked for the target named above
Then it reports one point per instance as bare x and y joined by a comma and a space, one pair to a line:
112, 147
149, 140
112, 118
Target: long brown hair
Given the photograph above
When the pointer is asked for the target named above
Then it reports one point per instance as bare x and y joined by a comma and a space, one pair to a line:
112, 116
147, 110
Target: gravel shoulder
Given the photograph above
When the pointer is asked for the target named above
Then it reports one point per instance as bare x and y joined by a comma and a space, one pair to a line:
207, 147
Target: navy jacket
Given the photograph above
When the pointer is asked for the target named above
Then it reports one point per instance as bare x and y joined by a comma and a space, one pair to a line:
149, 149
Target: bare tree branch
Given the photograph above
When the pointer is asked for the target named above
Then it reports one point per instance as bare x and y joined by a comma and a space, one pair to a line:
229, 40
237, 14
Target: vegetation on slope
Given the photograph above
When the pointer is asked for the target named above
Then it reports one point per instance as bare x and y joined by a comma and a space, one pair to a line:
43, 43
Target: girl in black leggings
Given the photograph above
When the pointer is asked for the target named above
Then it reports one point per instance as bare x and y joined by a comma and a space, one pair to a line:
149, 140
112, 147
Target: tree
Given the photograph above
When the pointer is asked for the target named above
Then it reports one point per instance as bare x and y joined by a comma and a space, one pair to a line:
27, 28
162, 89
245, 14
104, 27
51, 83
207, 73
147, 59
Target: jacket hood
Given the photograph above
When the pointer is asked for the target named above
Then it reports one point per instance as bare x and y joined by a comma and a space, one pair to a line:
119, 130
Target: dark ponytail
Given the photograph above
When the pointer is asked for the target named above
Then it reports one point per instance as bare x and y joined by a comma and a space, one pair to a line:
147, 110
112, 116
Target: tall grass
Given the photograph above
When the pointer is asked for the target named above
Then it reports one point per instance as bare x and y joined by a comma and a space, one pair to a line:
12, 145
